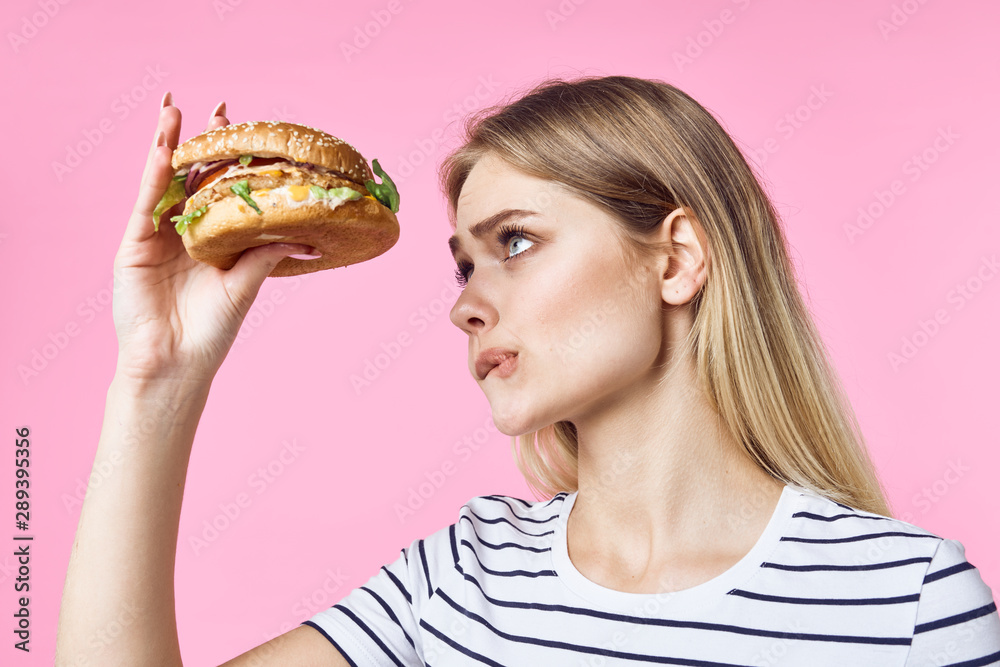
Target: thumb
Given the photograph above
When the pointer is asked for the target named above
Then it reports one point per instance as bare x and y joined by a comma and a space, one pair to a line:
247, 275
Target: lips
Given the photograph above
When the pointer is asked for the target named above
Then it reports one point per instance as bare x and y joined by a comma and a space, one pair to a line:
491, 358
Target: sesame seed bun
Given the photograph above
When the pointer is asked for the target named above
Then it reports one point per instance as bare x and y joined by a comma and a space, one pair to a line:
274, 139
344, 231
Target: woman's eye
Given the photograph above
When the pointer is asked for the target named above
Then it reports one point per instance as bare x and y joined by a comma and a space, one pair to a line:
509, 238
513, 245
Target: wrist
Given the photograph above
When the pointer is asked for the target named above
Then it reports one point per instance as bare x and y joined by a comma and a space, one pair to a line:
179, 390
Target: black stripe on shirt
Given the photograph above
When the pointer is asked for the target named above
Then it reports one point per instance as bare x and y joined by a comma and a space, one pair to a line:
392, 615
505, 544
559, 496
948, 571
497, 496
368, 631
454, 547
516, 515
458, 647
548, 643
700, 625
978, 662
399, 584
427, 574
853, 538
510, 573
837, 517
335, 644
836, 568
956, 619
834, 601
502, 519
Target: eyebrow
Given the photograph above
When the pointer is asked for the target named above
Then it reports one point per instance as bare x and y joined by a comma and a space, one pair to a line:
484, 227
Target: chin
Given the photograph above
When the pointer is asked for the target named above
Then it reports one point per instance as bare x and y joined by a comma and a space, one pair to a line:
515, 420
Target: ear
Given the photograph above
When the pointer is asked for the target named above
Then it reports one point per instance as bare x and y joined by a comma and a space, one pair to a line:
684, 269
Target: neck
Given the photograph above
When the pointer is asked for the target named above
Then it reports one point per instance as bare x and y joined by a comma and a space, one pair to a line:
663, 480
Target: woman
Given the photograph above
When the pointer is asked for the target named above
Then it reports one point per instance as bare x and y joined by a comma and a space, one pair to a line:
633, 318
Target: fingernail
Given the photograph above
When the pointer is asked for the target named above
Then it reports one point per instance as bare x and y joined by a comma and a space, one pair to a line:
161, 139
219, 111
312, 254
167, 100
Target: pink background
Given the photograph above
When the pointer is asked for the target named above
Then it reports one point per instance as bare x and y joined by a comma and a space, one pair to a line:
889, 82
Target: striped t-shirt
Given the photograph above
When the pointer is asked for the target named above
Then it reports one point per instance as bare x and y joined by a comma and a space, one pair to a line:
825, 584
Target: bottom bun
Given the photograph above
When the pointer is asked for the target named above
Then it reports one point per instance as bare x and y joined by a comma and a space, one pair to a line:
348, 233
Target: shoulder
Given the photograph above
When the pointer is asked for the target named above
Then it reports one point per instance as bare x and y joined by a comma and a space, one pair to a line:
823, 531
488, 530
823, 540
500, 509
819, 520
497, 520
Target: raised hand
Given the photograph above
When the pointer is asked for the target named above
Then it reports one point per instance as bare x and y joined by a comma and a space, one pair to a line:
176, 317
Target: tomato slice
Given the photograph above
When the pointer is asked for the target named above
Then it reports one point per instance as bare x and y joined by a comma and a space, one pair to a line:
255, 162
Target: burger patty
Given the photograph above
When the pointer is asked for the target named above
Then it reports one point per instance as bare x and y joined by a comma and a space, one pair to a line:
219, 188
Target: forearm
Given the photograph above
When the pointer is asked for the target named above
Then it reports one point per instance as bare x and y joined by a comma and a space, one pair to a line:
118, 598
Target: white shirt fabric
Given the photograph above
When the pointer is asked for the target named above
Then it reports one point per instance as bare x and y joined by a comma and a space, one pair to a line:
825, 584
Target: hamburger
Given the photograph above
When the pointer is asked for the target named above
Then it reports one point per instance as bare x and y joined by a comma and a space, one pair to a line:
249, 184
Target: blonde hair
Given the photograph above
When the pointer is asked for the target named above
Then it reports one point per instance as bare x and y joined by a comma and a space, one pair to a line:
639, 149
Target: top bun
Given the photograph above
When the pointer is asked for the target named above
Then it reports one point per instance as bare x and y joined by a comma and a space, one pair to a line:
272, 138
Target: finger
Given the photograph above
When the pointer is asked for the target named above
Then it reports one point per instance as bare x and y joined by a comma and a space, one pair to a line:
154, 184
170, 123
217, 118
157, 173
158, 170
243, 281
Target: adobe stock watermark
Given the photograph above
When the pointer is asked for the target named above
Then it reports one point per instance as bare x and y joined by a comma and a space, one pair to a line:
921, 503
104, 637
703, 39
31, 24
432, 481
40, 357
597, 317
263, 308
8, 568
99, 474
224, 7
258, 482
915, 167
121, 107
426, 147
283, 114
103, 468
792, 122
928, 328
370, 30
750, 509
956, 652
562, 12
898, 17
420, 319
778, 649
323, 596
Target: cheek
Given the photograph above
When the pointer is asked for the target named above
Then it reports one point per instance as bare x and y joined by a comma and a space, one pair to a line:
595, 314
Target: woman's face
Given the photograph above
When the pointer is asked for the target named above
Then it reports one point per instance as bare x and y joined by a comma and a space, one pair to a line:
553, 287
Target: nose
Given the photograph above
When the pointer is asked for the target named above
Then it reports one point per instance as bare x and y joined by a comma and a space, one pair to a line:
472, 312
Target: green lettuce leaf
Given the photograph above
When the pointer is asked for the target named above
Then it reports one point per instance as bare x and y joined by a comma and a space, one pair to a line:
184, 220
242, 189
173, 195
385, 191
